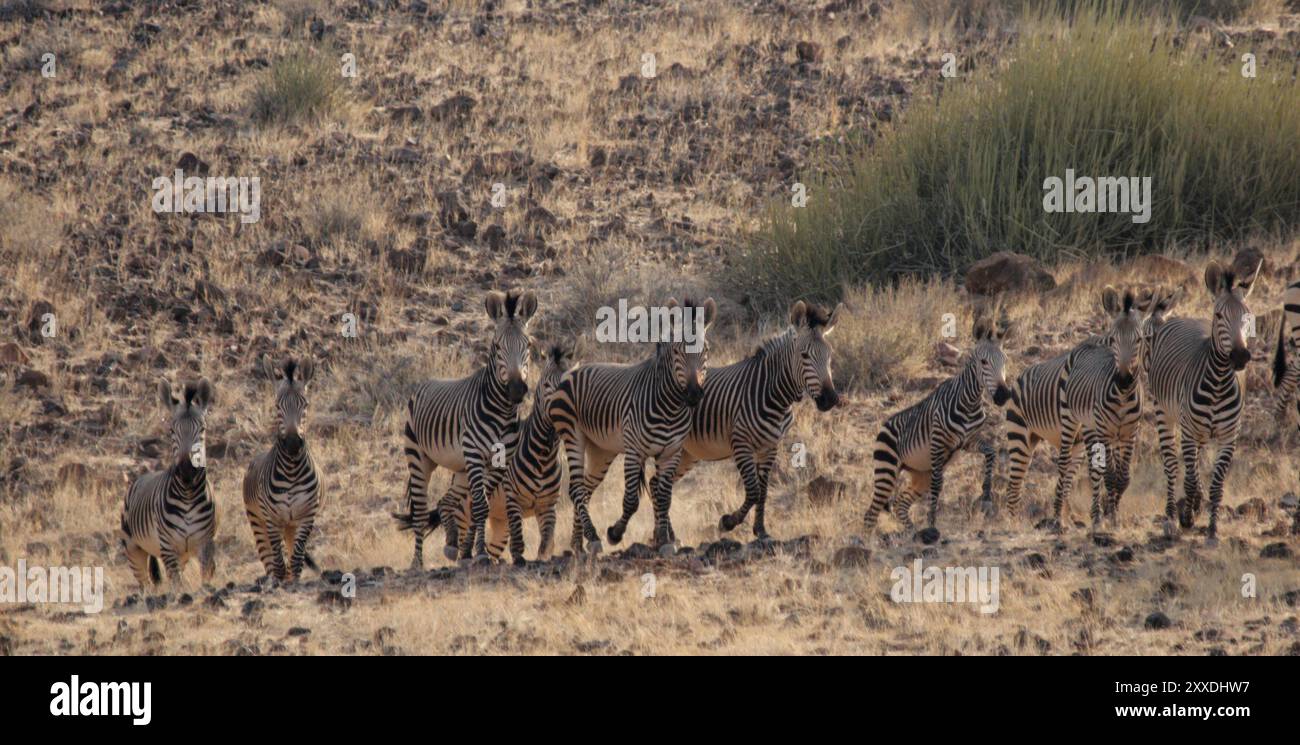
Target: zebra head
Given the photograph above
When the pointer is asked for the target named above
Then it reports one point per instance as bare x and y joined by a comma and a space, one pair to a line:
686, 347
989, 360
188, 420
1231, 316
509, 352
292, 377
812, 324
1125, 335
558, 361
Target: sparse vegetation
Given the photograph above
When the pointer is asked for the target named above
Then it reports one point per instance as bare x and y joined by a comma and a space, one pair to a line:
963, 177
300, 86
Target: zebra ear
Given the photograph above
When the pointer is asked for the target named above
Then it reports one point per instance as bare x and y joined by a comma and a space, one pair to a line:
1110, 300
527, 307
306, 369
1213, 277
1004, 331
1249, 284
672, 303
165, 394
268, 368
495, 304
833, 319
798, 312
710, 312
204, 396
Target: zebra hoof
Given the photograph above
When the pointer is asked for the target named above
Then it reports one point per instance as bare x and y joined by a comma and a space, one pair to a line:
927, 536
1211, 542
986, 506
519, 561
615, 534
451, 552
728, 522
1171, 529
482, 560
668, 550
595, 547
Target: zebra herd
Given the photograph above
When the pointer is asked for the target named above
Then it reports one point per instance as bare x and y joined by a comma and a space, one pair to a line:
505, 467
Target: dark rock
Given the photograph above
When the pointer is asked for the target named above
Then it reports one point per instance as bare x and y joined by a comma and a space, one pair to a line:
1157, 621
1277, 550
1007, 272
808, 51
851, 556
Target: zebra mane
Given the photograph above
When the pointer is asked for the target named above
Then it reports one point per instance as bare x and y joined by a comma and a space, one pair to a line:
558, 355
770, 344
290, 365
512, 301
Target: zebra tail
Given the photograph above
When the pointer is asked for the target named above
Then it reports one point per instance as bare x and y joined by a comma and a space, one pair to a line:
155, 571
406, 521
1279, 356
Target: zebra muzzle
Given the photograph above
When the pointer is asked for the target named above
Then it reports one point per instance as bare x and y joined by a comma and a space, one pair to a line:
827, 399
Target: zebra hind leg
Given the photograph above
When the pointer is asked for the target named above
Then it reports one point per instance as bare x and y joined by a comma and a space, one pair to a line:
1221, 465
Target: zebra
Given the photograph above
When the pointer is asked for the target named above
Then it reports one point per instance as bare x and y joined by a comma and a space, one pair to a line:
169, 516
1036, 412
922, 438
281, 486
746, 406
531, 485
1100, 404
1192, 379
641, 410
469, 424
1286, 372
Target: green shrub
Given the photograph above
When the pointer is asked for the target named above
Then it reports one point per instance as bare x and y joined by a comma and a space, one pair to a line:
301, 86
963, 177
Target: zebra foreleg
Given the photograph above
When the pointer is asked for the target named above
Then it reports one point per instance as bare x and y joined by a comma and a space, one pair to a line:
1191, 504
515, 523
749, 474
1098, 466
665, 539
990, 454
1221, 465
300, 535
1169, 460
760, 509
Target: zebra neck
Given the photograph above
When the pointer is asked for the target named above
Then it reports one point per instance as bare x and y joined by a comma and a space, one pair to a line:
783, 389
969, 390
665, 383
191, 481
494, 394
1220, 367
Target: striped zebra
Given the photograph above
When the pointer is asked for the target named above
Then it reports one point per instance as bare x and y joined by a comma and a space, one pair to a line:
1286, 362
1192, 379
169, 516
1100, 405
641, 410
281, 487
922, 438
531, 485
746, 407
1103, 391
469, 424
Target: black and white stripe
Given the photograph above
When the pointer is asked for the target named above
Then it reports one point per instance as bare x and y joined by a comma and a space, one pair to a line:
169, 516
281, 487
1192, 378
642, 411
746, 407
1100, 406
531, 486
469, 425
922, 438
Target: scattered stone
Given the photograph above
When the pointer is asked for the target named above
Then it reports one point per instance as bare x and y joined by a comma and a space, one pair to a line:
851, 556
577, 597
824, 491
1277, 550
808, 51
1157, 621
1006, 272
